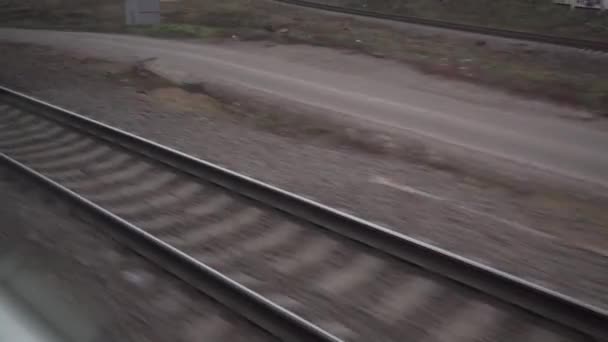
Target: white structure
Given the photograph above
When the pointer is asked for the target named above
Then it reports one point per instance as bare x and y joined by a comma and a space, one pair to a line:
595, 4
142, 12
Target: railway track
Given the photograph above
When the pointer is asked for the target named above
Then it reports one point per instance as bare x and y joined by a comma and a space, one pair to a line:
300, 270
522, 35
39, 280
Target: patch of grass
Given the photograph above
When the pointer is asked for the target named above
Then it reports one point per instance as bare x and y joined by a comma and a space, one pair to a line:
542, 16
90, 15
179, 31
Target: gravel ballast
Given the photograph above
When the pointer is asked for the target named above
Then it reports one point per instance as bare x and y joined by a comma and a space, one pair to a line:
548, 232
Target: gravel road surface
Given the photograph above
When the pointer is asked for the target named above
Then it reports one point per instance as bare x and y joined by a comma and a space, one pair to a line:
553, 235
381, 92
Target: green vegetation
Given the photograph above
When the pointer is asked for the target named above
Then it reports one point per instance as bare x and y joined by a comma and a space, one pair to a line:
90, 15
179, 31
541, 16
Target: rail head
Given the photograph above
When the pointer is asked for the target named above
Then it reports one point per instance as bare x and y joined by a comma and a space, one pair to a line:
273, 318
539, 300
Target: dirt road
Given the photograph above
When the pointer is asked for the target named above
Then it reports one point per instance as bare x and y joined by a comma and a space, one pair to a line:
368, 89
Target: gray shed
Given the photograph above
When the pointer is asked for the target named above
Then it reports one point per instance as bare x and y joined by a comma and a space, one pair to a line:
142, 12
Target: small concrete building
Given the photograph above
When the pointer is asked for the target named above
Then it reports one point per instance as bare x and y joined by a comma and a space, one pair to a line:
142, 12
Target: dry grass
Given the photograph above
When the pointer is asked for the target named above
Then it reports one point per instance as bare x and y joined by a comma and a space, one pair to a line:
540, 16
92, 15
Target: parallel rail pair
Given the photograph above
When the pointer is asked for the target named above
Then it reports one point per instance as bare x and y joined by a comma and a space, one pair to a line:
563, 310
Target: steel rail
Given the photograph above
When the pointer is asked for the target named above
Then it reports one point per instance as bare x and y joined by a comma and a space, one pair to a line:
564, 310
273, 318
521, 35
276, 320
